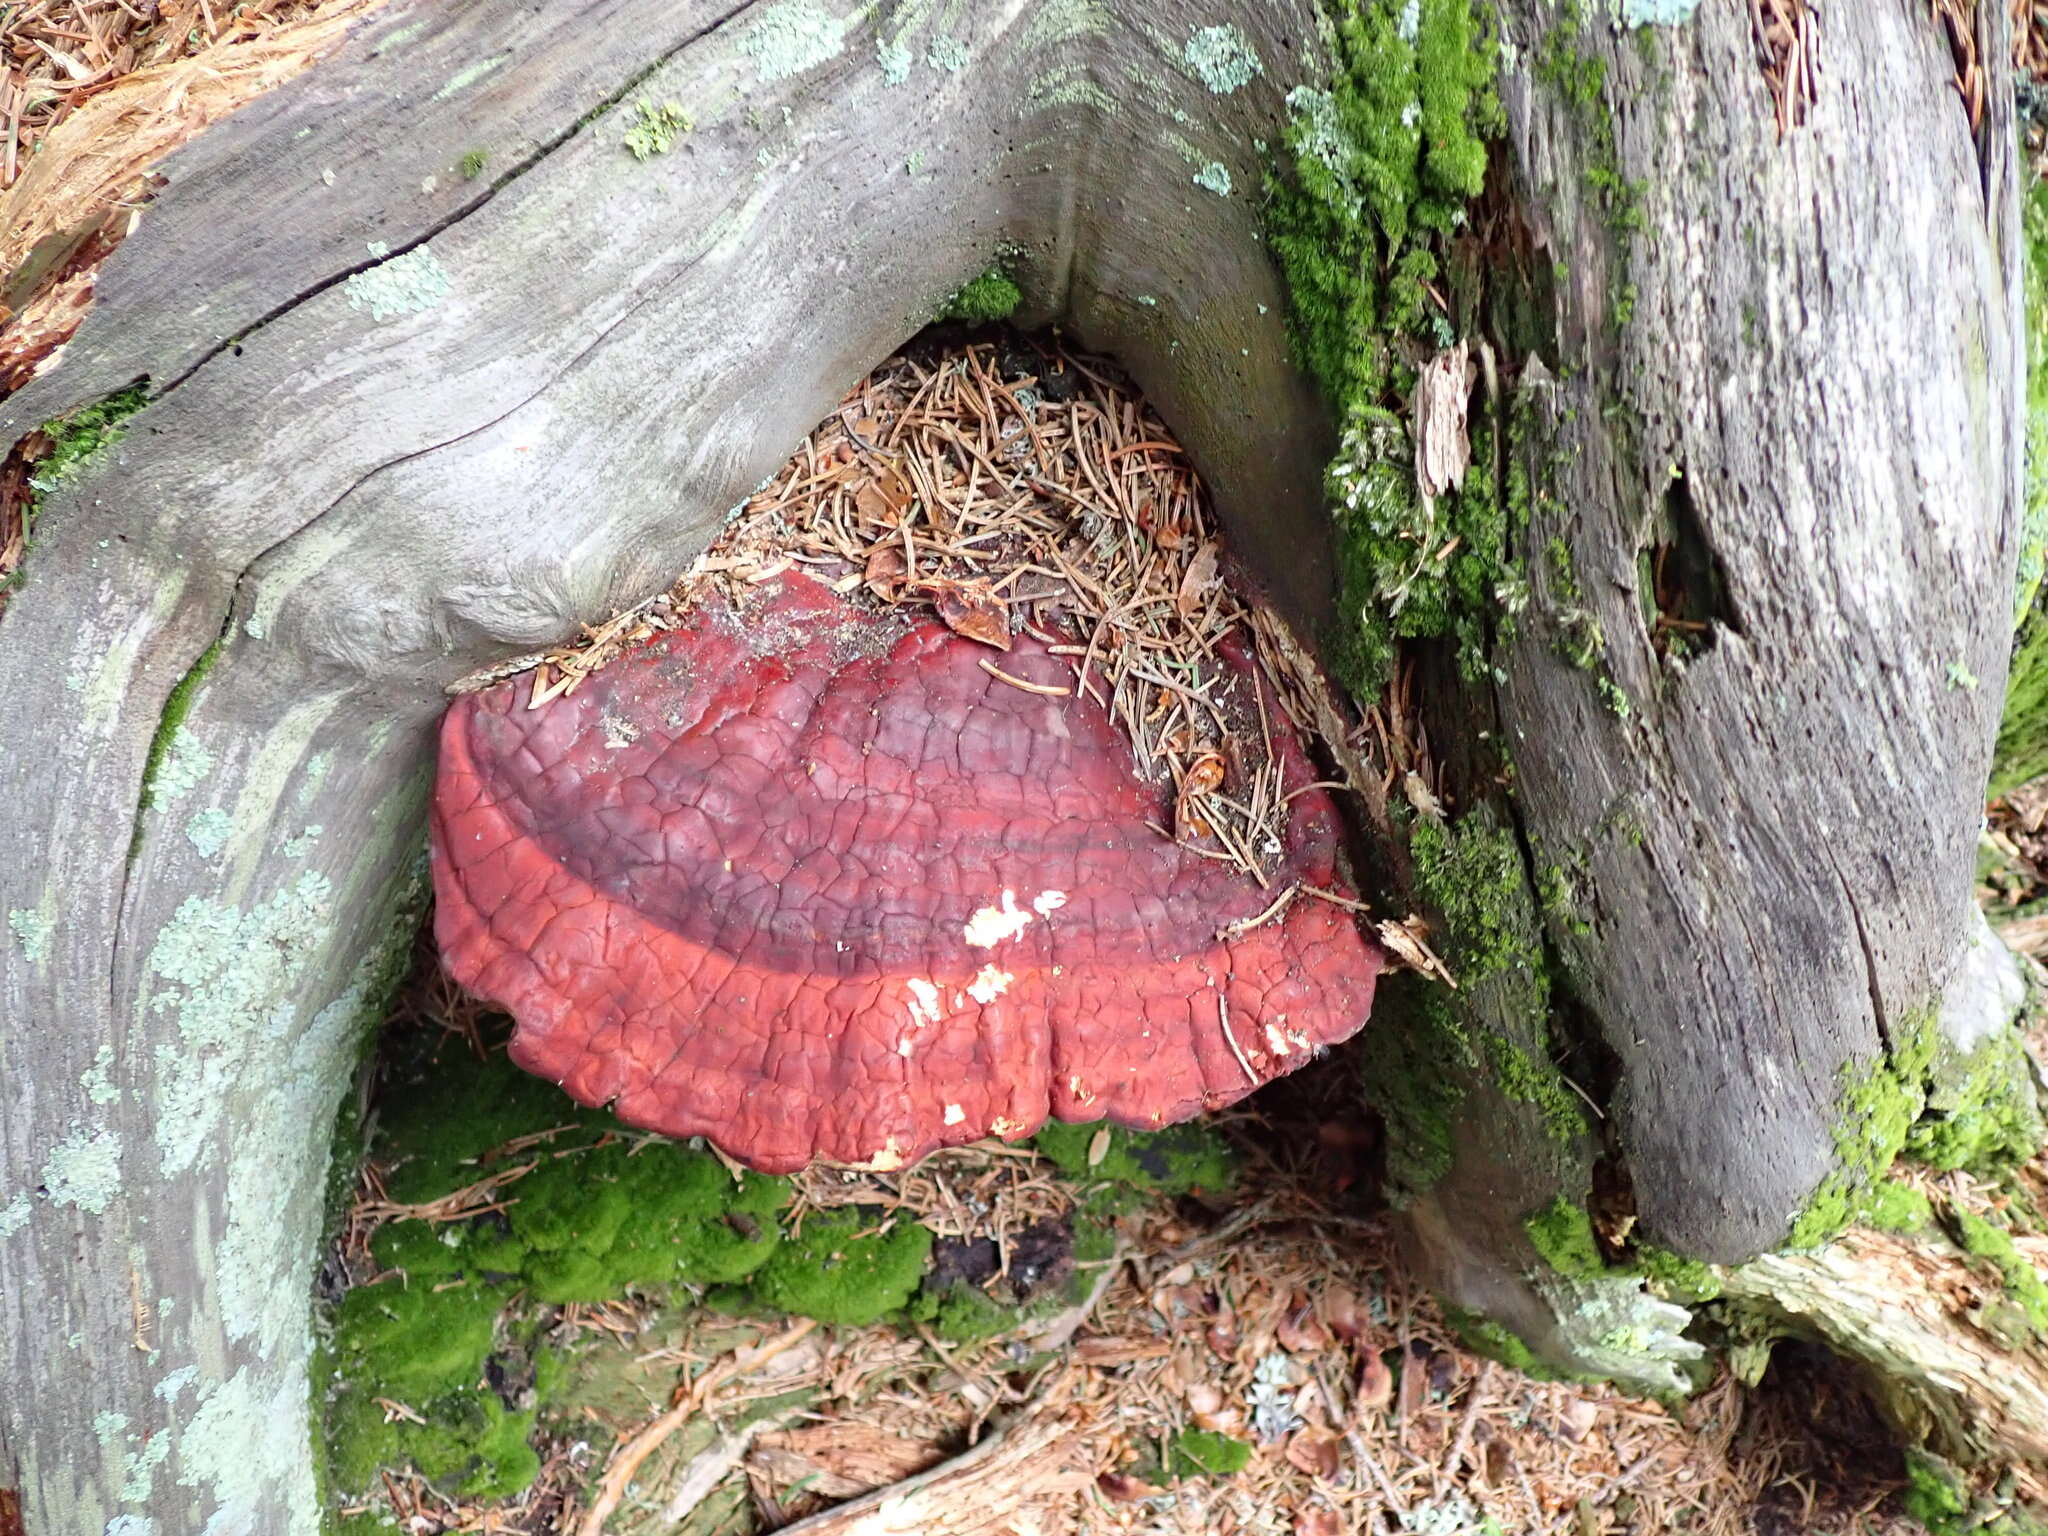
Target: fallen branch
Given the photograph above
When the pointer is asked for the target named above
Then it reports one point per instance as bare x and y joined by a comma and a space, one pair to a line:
640, 1445
1036, 1456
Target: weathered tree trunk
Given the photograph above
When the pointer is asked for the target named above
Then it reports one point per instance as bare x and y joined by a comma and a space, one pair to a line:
1782, 409
413, 411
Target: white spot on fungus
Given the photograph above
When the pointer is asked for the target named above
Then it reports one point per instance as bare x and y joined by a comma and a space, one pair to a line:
955, 1114
1046, 903
924, 1002
990, 984
991, 925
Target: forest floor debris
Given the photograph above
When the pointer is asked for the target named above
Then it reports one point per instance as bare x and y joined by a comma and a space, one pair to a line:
1259, 1361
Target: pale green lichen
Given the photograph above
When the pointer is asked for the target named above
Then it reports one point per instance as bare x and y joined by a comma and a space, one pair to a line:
1221, 58
176, 1381
98, 1086
1214, 177
138, 1468
107, 1425
208, 831
654, 129
791, 37
298, 847
32, 931
1070, 85
134, 1525
84, 1169
245, 1447
232, 980
315, 775
407, 284
894, 57
468, 75
1059, 21
273, 1187
947, 54
185, 766
14, 1215
1654, 13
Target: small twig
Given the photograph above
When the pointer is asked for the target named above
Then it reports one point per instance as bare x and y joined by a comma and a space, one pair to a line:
1223, 1018
1243, 926
1475, 1397
1049, 690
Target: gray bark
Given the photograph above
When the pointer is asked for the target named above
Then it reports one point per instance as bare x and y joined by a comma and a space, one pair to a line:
1778, 839
367, 472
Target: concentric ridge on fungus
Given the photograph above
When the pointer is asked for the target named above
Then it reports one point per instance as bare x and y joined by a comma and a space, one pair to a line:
811, 881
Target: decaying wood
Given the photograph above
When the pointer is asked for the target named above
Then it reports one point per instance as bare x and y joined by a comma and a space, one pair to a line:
638, 1446
1038, 1456
1890, 1303
1770, 840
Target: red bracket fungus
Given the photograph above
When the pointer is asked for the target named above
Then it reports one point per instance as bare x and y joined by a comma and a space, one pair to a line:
812, 881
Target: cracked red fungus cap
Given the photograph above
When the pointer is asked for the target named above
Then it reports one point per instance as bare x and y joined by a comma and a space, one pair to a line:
813, 882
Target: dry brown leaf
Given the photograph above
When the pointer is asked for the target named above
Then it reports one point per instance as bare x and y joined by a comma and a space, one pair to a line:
971, 611
1411, 1392
1442, 450
1096, 1351
1196, 582
1314, 1451
1408, 942
1576, 1417
874, 505
1122, 1488
1496, 1463
1300, 1332
884, 573
1222, 1335
1342, 1312
1317, 1522
1205, 777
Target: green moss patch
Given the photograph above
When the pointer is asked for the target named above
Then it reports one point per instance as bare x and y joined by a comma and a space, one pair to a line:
1180, 1160
1923, 1101
990, 298
1672, 1275
1206, 1453
587, 1211
1563, 1233
73, 441
2025, 1290
1379, 168
1483, 1336
1415, 1064
847, 1266
1980, 1113
2022, 751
